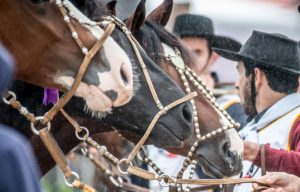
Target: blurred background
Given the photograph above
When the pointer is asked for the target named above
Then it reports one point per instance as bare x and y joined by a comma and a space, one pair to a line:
234, 18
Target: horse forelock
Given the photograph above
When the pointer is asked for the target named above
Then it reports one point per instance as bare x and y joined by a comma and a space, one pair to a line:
171, 40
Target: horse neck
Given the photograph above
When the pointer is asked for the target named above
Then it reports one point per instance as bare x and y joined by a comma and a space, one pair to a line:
20, 24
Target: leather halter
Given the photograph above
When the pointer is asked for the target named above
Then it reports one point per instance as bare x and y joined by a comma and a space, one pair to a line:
58, 155
162, 178
47, 138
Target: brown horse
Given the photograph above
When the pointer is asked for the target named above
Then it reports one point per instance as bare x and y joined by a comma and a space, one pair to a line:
46, 54
224, 151
220, 156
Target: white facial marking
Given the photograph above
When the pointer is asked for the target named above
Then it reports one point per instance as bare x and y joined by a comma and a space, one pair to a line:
95, 99
117, 55
117, 58
236, 143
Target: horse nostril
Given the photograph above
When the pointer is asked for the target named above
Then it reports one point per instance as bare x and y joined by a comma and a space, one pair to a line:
228, 154
124, 74
226, 150
112, 95
187, 113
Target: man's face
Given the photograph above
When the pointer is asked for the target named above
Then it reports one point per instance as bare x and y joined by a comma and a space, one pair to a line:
243, 85
200, 47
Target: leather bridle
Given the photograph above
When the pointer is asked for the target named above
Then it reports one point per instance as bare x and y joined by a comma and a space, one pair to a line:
162, 178
124, 165
45, 120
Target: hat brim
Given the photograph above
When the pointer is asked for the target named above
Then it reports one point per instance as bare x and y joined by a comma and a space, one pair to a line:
235, 56
227, 43
231, 55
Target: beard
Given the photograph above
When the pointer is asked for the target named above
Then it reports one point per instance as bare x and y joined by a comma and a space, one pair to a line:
249, 105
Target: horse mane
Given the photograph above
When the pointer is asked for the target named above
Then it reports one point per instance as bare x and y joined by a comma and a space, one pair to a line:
94, 9
167, 38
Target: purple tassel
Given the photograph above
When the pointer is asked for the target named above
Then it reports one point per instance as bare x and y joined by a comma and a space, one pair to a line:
50, 96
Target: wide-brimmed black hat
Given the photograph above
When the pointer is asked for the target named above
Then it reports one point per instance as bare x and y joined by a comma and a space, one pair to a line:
189, 25
6, 69
268, 50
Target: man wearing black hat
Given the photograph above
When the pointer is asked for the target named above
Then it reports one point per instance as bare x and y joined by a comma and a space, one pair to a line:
197, 33
269, 68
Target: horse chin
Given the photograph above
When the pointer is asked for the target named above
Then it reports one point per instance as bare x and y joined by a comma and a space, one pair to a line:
96, 114
162, 137
209, 169
95, 99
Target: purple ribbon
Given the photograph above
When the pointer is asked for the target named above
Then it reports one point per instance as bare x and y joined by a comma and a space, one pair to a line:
50, 96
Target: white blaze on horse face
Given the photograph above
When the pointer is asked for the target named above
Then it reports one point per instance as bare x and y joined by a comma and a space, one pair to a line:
236, 143
120, 68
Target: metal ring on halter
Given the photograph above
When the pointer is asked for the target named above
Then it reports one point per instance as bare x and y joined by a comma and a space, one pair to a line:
10, 94
117, 181
85, 136
123, 161
75, 176
163, 180
142, 154
39, 118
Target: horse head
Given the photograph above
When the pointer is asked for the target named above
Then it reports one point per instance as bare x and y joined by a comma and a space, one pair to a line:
49, 41
219, 156
135, 117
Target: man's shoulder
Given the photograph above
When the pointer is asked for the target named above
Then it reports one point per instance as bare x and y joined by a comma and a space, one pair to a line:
10, 139
296, 124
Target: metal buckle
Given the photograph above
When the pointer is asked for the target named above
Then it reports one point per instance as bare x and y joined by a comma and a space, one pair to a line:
37, 119
85, 136
122, 163
74, 177
9, 94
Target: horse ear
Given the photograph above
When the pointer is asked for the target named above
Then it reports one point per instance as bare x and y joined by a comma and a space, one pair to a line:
111, 7
162, 13
135, 21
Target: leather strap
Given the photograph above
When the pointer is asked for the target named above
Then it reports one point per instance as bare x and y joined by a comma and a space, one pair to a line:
263, 159
138, 146
84, 187
55, 151
203, 188
131, 187
216, 181
141, 173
